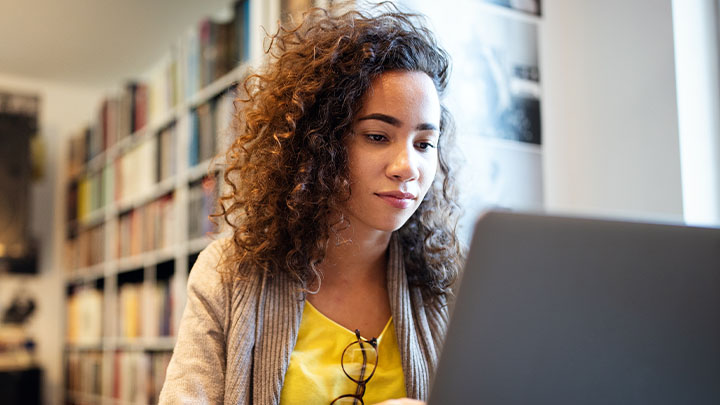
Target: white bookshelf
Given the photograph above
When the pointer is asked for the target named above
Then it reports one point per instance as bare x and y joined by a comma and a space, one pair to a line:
148, 268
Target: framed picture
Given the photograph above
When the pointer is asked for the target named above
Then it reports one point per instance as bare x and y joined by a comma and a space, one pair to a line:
494, 95
528, 6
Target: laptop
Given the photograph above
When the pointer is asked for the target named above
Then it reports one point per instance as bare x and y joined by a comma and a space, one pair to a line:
560, 310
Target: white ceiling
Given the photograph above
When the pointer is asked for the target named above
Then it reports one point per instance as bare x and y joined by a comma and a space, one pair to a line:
92, 42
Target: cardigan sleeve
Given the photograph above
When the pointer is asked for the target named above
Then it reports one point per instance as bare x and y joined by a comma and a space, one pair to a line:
196, 373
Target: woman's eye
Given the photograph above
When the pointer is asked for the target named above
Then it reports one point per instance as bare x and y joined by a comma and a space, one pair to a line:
425, 145
376, 137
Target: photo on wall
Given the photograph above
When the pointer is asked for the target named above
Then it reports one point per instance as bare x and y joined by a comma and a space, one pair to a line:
494, 95
495, 87
528, 6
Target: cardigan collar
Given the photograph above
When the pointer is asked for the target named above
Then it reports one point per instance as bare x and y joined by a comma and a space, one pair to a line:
407, 308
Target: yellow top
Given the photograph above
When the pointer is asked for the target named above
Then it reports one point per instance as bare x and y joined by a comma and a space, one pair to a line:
315, 375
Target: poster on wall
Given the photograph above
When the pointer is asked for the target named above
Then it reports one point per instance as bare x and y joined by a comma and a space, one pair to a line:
18, 130
494, 95
528, 6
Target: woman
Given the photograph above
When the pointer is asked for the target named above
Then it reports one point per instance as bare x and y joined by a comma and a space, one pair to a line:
334, 284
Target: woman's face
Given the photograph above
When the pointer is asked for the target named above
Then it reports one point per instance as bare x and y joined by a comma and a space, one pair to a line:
392, 150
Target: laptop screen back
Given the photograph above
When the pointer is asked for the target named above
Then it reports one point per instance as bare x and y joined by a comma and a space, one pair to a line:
554, 310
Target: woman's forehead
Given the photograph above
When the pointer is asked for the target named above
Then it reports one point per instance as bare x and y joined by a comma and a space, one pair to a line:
405, 95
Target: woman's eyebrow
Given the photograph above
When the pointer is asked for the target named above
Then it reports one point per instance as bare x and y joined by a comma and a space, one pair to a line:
396, 122
426, 127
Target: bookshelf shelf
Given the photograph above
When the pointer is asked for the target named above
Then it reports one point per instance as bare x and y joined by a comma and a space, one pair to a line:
158, 190
93, 218
167, 119
198, 171
127, 264
83, 347
83, 397
96, 163
145, 344
86, 275
237, 75
127, 143
143, 260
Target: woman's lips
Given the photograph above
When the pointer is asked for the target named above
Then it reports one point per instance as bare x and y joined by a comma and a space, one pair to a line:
397, 199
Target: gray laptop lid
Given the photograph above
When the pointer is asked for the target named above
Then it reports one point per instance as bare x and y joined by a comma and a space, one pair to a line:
556, 310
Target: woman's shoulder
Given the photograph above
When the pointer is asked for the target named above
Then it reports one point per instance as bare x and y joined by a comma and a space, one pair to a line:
210, 263
216, 269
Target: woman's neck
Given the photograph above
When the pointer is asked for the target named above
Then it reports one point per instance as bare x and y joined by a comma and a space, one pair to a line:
355, 257
353, 291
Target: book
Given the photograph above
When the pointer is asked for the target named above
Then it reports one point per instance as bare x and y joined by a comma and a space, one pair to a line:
84, 315
192, 62
166, 153
208, 51
242, 30
194, 142
205, 131
225, 47
140, 111
135, 171
223, 115
202, 196
129, 316
138, 375
84, 371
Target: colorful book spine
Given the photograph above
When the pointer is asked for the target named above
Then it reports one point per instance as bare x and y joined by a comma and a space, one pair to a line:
242, 30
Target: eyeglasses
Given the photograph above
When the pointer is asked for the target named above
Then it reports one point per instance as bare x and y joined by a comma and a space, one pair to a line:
358, 361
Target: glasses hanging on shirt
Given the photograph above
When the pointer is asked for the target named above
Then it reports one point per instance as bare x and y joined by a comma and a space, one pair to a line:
359, 361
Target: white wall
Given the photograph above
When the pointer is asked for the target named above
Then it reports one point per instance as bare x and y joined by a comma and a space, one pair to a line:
697, 70
63, 110
609, 109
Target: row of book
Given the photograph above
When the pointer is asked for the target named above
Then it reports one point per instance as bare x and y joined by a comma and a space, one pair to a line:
138, 377
166, 84
84, 315
210, 124
145, 310
147, 228
118, 117
85, 248
130, 176
84, 373
144, 229
133, 376
210, 50
135, 171
89, 193
217, 45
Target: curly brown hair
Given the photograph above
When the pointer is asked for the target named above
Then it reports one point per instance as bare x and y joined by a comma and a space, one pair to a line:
287, 171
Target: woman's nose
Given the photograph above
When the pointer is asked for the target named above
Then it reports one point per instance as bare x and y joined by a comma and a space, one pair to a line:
403, 165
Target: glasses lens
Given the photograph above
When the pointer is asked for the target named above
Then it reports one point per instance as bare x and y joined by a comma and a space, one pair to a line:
359, 361
348, 401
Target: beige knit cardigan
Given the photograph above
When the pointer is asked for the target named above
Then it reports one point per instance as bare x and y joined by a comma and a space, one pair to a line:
235, 339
